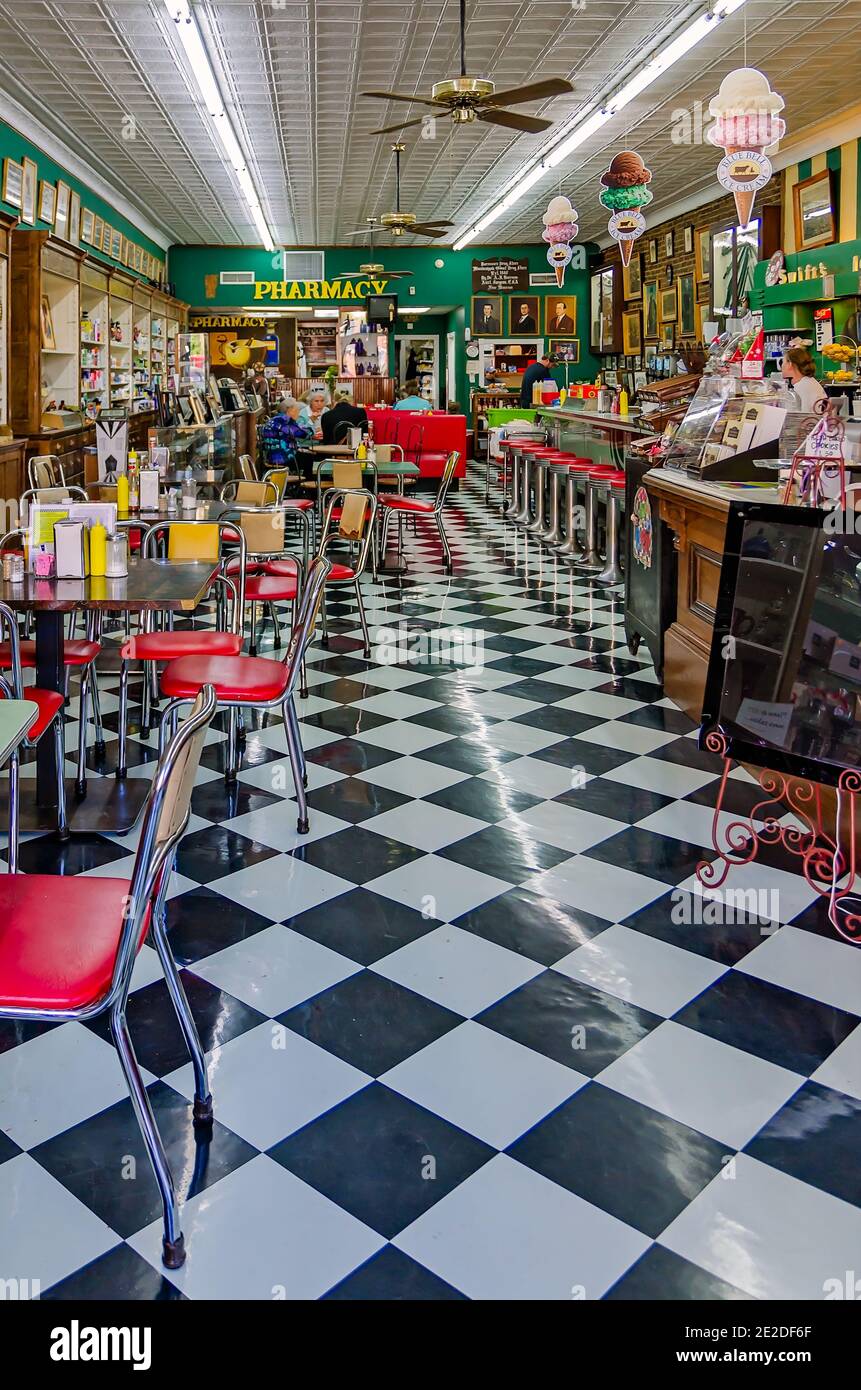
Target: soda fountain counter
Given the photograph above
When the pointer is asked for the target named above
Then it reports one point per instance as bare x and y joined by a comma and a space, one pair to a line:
589, 433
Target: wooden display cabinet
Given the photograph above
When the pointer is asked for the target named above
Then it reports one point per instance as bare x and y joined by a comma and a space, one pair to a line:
46, 328
121, 335
141, 353
94, 338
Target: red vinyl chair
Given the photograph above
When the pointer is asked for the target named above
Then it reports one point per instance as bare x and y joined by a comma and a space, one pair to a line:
394, 504
255, 680
186, 540
50, 703
68, 947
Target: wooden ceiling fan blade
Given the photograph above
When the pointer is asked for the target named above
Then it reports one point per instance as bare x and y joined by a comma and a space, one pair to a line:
513, 120
401, 125
401, 96
427, 231
533, 91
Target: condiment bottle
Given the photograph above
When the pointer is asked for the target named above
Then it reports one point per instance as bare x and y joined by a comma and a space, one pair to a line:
98, 549
623, 402
123, 493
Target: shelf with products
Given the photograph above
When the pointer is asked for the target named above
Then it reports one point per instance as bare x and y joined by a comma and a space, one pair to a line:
121, 339
93, 340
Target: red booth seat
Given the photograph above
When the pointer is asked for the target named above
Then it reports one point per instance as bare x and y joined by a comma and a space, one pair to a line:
426, 437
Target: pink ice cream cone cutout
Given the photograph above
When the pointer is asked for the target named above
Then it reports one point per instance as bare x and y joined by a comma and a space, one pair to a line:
747, 127
560, 229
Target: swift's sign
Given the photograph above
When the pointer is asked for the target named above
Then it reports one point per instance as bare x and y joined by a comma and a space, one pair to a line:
317, 289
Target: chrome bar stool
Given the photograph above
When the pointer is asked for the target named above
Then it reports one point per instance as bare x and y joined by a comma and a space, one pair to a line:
591, 557
537, 456
528, 480
513, 456
571, 549
614, 487
557, 472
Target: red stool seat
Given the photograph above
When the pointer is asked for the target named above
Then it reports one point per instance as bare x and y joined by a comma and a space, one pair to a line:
340, 572
59, 939
271, 588
49, 702
299, 504
245, 678
406, 504
75, 653
167, 646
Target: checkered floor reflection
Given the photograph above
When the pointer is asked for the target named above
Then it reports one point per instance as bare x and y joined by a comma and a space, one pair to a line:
460, 1045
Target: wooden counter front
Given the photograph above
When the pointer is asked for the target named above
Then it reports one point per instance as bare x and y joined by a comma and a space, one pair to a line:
696, 513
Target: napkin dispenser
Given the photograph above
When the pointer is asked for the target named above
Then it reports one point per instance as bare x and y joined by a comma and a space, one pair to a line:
71, 549
148, 480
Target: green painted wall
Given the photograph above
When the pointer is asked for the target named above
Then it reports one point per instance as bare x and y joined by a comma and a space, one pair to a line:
449, 284
14, 146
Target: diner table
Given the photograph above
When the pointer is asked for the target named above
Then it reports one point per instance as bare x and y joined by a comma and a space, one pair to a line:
111, 805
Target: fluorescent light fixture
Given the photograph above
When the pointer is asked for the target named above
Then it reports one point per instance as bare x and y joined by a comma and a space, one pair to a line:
407, 310
590, 120
326, 313
201, 70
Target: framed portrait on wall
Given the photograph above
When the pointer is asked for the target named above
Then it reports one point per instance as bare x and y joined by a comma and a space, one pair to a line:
669, 305
486, 316
813, 209
653, 251
687, 306
669, 245
605, 309
13, 182
632, 333
560, 315
98, 232
61, 213
87, 226
49, 341
567, 349
650, 311
632, 277
703, 252
47, 202
116, 243
524, 314
29, 187
668, 335
74, 218
688, 238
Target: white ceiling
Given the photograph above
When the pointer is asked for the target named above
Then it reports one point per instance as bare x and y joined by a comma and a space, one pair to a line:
96, 72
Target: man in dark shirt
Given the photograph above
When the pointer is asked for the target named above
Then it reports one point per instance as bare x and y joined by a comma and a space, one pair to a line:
538, 371
343, 416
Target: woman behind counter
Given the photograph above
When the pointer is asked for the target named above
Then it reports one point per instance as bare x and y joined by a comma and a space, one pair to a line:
799, 372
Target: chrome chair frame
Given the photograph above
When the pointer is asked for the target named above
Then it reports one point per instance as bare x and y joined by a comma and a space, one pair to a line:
303, 630
49, 461
150, 880
436, 514
329, 536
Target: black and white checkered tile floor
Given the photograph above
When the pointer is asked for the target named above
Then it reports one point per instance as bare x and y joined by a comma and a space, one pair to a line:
467, 1039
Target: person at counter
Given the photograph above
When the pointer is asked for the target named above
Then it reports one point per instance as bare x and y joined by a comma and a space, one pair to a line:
343, 416
410, 398
536, 371
799, 373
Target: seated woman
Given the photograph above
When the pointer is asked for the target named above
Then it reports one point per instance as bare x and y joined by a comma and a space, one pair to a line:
313, 404
410, 398
283, 435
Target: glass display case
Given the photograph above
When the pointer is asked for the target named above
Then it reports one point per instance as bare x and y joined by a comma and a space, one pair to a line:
201, 447
192, 366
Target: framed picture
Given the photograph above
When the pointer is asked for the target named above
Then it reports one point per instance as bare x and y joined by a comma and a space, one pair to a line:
653, 251
139, 258
568, 349
669, 245
47, 202
669, 305
650, 311
668, 335
61, 213
29, 186
13, 182
116, 243
88, 220
703, 252
813, 208
687, 307
49, 341
486, 316
688, 235
632, 332
74, 218
98, 232
524, 315
560, 315
198, 409
632, 277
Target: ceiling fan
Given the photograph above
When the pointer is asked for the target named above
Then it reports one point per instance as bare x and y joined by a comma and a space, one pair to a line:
372, 267
399, 223
468, 99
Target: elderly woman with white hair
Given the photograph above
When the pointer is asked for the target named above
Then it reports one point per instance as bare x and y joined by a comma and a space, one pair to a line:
314, 402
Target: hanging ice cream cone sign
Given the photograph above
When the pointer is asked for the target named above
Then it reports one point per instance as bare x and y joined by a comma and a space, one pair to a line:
560, 229
624, 193
747, 128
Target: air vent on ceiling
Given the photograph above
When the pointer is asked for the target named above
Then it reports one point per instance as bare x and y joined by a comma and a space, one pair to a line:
304, 265
237, 277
